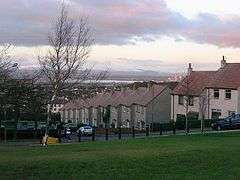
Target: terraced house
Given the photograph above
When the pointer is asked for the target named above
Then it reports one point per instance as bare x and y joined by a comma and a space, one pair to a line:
208, 94
127, 108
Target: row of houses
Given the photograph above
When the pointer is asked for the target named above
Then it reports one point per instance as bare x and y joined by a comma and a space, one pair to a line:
202, 94
125, 108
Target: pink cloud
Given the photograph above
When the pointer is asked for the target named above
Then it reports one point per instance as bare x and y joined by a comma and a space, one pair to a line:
115, 22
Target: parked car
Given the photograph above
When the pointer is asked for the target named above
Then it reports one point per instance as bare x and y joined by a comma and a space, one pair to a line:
26, 126
66, 131
85, 130
231, 122
72, 126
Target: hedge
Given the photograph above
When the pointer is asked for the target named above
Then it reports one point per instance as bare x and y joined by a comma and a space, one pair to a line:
180, 124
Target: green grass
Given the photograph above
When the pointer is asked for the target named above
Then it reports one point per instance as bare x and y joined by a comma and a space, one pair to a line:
177, 157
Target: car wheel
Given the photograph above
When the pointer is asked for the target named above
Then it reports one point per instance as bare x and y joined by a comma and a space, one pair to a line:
219, 128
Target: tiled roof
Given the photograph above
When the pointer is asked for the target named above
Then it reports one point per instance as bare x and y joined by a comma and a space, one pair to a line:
226, 77
194, 83
126, 97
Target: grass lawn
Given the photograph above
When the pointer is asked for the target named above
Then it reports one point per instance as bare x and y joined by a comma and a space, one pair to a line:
215, 156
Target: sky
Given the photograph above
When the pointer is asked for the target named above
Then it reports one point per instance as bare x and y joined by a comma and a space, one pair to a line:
132, 35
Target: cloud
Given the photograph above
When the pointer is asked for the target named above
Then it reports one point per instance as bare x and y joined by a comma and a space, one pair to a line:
28, 22
141, 65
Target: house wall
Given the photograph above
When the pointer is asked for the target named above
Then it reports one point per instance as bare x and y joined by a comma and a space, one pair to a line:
177, 108
159, 109
223, 104
238, 108
79, 116
138, 116
84, 114
100, 116
113, 115
123, 116
126, 116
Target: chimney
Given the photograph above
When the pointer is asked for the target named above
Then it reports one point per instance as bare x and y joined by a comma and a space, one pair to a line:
190, 69
223, 62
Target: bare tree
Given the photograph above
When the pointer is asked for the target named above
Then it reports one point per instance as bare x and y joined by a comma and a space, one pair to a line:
5, 62
186, 99
64, 64
203, 104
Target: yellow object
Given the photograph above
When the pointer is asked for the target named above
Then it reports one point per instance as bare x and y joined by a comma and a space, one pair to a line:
52, 140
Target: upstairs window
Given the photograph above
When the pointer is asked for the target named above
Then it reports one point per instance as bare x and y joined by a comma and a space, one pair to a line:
216, 93
180, 100
190, 100
228, 94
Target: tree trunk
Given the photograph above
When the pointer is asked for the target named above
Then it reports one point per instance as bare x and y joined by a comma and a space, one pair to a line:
49, 113
186, 122
202, 125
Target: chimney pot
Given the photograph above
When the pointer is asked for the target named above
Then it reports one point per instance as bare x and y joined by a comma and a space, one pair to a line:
190, 69
223, 62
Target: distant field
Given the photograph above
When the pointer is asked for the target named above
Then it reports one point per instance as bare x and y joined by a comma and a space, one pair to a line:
215, 156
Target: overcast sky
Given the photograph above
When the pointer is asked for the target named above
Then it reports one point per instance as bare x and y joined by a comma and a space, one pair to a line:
161, 35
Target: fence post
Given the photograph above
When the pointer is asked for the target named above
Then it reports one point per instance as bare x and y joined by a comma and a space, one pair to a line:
133, 132
119, 133
59, 136
160, 129
79, 136
5, 134
188, 128
93, 134
147, 130
106, 134
174, 128
202, 126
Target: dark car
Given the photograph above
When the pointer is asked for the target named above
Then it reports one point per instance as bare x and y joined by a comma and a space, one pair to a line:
231, 122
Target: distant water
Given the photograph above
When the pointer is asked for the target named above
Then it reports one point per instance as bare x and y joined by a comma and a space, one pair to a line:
112, 81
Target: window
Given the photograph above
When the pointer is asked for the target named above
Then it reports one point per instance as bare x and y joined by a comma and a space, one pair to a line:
190, 100
216, 93
228, 94
181, 117
138, 107
180, 100
216, 113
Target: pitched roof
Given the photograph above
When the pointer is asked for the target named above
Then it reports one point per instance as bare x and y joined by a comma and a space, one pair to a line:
194, 83
227, 77
126, 97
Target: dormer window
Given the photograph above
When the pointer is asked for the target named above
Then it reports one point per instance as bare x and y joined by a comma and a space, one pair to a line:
228, 94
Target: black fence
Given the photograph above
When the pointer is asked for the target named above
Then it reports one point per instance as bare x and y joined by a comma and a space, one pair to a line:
154, 129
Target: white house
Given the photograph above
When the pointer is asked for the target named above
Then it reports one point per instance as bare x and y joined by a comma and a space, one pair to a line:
210, 94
